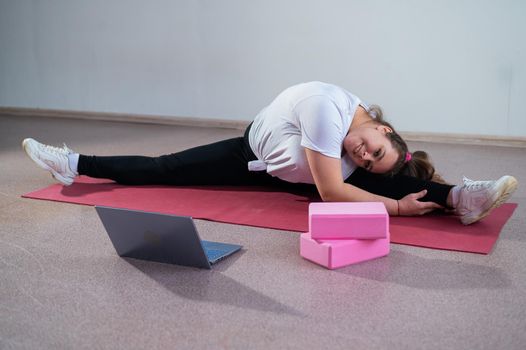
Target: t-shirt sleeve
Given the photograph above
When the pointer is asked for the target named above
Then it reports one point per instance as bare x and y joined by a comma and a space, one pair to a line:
321, 125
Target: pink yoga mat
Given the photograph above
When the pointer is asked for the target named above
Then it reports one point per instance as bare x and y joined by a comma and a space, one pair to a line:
273, 208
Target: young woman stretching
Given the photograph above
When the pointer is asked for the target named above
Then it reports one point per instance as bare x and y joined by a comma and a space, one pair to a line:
312, 133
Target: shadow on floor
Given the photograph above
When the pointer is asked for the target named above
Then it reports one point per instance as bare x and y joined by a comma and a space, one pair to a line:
210, 286
422, 273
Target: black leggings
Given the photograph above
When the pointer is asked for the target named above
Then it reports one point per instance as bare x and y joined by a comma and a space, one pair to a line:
225, 163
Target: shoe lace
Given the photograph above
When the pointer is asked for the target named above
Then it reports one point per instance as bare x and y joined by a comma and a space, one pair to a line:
471, 185
53, 150
67, 149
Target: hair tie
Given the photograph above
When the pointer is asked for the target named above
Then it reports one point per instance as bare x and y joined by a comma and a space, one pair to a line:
408, 157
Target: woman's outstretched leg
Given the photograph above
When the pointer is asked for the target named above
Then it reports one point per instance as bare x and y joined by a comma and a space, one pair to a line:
473, 200
221, 163
399, 186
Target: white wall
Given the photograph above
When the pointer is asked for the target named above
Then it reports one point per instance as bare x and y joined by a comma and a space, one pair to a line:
452, 66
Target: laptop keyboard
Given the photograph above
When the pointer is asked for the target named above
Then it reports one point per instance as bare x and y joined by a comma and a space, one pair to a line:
216, 251
213, 254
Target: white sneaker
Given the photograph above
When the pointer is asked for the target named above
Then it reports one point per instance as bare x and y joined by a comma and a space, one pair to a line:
51, 158
478, 198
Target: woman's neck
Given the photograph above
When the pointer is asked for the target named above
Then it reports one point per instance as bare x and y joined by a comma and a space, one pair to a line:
360, 117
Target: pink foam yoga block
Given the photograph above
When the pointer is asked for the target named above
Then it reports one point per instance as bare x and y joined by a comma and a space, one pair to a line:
363, 220
342, 252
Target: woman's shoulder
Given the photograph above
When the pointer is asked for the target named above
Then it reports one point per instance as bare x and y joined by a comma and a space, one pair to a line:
316, 89
316, 86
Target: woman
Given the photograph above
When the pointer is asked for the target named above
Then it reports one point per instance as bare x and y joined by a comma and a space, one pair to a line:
312, 133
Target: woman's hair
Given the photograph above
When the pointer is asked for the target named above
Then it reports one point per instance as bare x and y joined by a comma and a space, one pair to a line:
419, 165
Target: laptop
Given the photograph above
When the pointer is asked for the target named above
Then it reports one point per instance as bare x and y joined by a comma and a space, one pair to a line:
162, 238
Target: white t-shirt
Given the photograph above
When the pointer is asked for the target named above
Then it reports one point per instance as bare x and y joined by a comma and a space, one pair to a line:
314, 115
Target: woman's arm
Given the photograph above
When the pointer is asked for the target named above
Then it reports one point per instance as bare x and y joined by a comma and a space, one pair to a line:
327, 175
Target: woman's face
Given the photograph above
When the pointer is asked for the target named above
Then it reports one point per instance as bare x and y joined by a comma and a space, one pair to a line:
369, 148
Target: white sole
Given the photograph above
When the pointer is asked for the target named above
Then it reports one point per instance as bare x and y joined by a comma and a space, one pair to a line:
57, 176
510, 187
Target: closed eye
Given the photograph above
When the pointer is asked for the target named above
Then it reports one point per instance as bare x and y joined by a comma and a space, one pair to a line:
378, 154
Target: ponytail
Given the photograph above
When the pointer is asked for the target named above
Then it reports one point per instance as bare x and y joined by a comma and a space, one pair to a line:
419, 165
416, 164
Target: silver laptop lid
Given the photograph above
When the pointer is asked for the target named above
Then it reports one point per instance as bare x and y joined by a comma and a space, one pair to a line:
152, 236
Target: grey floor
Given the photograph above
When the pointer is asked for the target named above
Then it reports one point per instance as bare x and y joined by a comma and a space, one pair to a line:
63, 287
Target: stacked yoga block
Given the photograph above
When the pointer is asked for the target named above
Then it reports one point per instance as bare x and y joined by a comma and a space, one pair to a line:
341, 234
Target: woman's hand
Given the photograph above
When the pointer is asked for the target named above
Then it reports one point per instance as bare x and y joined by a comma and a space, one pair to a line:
411, 206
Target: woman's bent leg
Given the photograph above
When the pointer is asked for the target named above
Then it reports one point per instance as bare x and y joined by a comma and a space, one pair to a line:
399, 186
